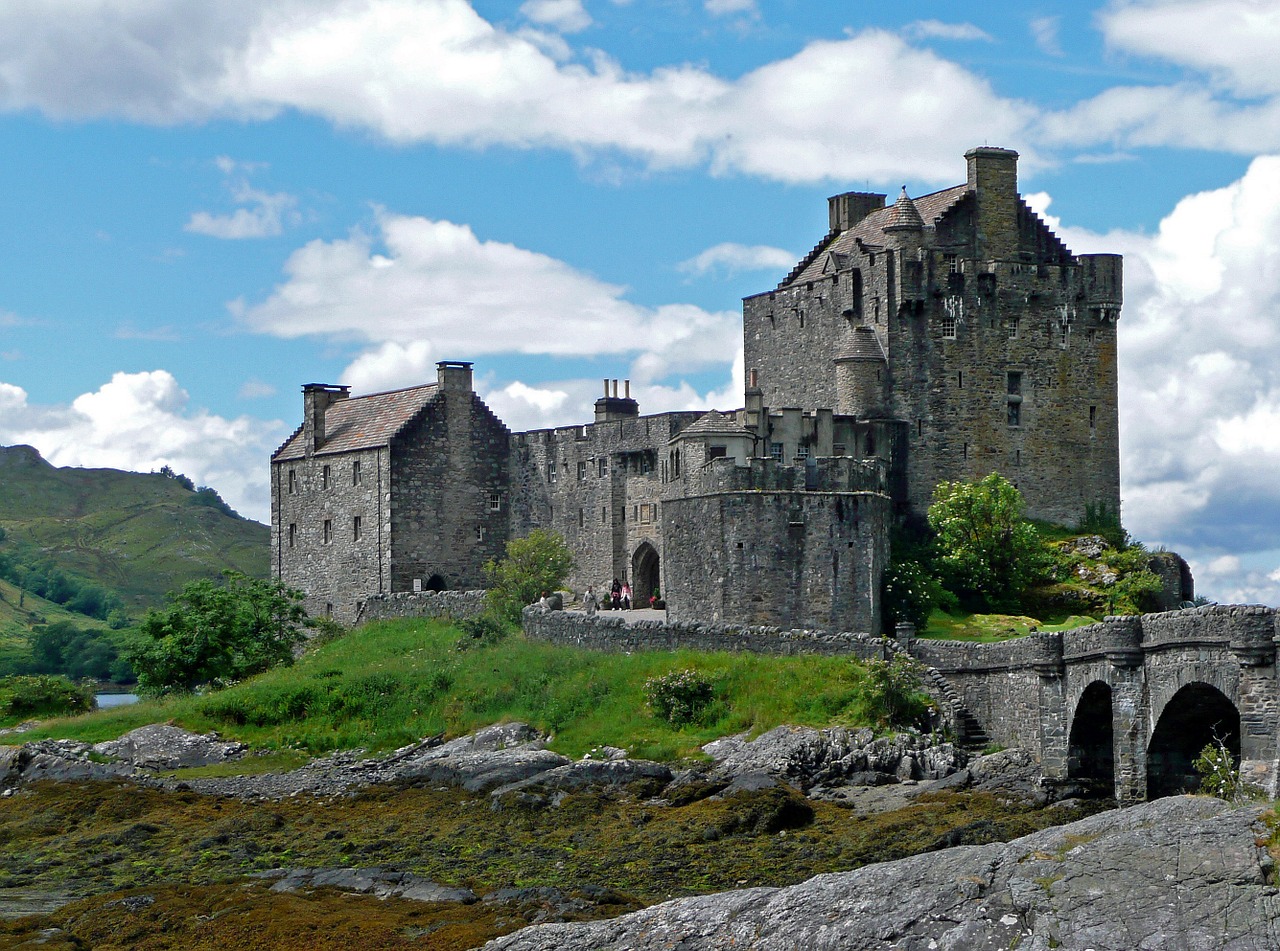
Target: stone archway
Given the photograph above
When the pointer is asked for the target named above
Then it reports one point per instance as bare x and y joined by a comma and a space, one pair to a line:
1091, 748
435, 583
1194, 717
645, 575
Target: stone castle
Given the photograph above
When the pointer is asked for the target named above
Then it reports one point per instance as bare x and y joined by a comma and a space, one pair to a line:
934, 339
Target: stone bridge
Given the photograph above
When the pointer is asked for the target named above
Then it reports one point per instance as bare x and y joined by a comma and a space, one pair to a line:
1130, 701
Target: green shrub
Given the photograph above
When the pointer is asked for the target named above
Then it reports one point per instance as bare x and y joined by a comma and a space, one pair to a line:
42, 695
893, 694
679, 698
484, 630
911, 593
533, 565
1220, 777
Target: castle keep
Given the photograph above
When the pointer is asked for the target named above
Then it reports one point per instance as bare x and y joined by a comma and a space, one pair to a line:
935, 339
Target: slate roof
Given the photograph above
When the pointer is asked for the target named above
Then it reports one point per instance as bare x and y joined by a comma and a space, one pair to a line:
714, 423
363, 422
870, 230
864, 345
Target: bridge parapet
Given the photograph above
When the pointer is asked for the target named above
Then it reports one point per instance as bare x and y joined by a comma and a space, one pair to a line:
1041, 652
1118, 639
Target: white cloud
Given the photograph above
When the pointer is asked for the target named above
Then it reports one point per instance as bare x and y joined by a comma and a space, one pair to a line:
567, 16
1044, 30
428, 290
1234, 41
719, 8
730, 258
937, 29
438, 72
142, 421
264, 217
1199, 388
256, 390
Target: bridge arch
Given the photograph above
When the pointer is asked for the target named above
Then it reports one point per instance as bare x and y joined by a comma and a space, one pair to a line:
1091, 747
1197, 715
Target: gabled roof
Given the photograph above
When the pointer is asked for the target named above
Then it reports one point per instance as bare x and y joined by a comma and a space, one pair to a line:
871, 229
714, 423
363, 422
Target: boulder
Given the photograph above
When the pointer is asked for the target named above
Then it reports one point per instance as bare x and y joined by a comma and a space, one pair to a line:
1181, 873
161, 746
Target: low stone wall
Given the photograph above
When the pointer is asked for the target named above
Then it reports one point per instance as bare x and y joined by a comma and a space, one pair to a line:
611, 633
425, 604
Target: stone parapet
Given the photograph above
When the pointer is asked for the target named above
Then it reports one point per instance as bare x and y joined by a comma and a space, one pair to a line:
426, 604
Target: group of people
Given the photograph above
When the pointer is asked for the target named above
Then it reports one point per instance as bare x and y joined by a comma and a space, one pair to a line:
619, 598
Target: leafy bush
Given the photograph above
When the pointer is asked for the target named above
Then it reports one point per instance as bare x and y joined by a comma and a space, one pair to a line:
910, 593
63, 648
1219, 776
894, 695
483, 630
987, 550
42, 695
679, 698
538, 563
212, 634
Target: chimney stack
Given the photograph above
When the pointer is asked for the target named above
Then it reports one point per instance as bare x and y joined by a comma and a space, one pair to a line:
316, 400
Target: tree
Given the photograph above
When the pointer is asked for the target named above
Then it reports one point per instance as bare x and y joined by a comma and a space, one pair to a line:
217, 633
986, 550
535, 564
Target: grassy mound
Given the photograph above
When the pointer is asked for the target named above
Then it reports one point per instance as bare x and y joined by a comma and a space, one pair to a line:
390, 683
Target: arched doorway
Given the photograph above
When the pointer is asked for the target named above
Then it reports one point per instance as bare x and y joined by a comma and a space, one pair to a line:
1090, 750
436, 583
1197, 715
644, 574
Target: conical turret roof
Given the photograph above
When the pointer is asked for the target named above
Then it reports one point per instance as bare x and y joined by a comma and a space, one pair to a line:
904, 215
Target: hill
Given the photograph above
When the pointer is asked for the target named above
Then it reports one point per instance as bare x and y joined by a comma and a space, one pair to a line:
137, 535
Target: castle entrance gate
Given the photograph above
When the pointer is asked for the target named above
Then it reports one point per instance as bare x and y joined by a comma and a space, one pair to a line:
645, 575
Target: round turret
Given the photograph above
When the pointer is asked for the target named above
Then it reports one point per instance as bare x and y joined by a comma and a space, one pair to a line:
861, 372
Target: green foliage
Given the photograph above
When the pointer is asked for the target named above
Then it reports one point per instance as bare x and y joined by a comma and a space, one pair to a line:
213, 634
483, 630
911, 592
64, 648
1216, 767
28, 569
986, 550
679, 698
42, 695
533, 565
894, 696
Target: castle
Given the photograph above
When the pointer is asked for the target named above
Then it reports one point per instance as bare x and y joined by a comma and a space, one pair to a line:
934, 339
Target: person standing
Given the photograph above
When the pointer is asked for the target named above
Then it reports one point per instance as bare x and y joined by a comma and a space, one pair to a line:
626, 596
589, 601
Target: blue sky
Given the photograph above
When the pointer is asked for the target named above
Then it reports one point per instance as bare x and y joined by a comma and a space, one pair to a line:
207, 205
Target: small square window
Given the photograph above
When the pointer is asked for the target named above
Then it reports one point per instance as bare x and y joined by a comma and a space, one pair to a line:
495, 501
717, 452
948, 328
603, 464
802, 453
775, 451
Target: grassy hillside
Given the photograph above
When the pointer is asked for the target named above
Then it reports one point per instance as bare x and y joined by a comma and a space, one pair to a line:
138, 535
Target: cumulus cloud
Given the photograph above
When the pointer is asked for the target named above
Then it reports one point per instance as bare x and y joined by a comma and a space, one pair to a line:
730, 258
938, 30
720, 8
1199, 388
424, 290
438, 72
142, 421
567, 16
1044, 30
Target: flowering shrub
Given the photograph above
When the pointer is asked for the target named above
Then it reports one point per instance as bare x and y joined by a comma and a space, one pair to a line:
894, 696
680, 697
910, 593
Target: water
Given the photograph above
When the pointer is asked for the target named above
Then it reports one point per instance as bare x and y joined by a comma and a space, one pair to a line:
108, 700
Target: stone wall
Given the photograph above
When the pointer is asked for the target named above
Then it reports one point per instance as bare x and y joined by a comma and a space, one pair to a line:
607, 632
427, 604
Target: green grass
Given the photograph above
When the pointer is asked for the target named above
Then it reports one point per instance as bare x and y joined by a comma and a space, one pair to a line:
391, 683
988, 628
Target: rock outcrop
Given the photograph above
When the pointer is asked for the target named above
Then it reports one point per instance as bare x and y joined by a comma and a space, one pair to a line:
1183, 873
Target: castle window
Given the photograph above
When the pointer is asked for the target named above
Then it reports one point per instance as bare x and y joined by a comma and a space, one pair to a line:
837, 450
479, 533
952, 262
355, 529
582, 469
802, 453
960, 379
293, 534
1064, 329
1093, 418
646, 514
964, 451
1014, 387
717, 452
355, 472
871, 444
676, 465
495, 501
604, 515
293, 482
324, 477
603, 463
582, 518
644, 464
1015, 413
328, 530
1017, 457
775, 451
1091, 335
1013, 326
551, 471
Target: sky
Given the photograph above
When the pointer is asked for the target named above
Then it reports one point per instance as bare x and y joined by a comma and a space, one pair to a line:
204, 206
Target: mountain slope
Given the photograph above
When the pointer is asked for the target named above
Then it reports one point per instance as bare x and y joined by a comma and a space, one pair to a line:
140, 535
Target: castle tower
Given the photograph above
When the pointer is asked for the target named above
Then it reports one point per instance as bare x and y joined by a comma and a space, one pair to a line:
861, 372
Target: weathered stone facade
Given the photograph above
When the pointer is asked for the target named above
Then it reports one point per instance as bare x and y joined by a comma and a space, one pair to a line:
933, 340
